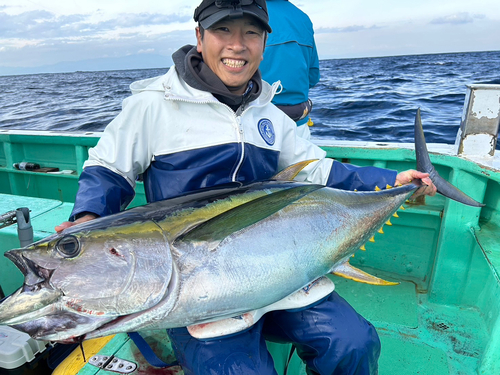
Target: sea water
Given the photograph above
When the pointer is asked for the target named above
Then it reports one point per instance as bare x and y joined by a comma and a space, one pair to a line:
371, 99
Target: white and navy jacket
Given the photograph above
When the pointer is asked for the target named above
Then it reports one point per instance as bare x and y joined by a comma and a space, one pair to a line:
183, 139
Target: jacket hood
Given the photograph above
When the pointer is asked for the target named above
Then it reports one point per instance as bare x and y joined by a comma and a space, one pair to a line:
191, 67
174, 85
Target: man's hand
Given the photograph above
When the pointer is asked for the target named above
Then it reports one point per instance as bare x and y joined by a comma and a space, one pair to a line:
409, 175
59, 228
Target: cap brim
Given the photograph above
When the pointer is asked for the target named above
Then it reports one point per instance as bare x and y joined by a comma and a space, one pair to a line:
223, 13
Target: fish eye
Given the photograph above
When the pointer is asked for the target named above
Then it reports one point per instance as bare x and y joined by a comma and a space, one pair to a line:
68, 246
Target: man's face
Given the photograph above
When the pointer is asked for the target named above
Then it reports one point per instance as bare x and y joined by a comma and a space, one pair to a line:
232, 49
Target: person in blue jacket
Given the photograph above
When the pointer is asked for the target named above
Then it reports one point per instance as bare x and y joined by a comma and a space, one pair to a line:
291, 57
207, 122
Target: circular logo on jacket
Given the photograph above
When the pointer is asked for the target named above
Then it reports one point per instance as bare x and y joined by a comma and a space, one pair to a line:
266, 130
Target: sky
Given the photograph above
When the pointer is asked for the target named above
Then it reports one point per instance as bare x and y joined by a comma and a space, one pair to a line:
56, 35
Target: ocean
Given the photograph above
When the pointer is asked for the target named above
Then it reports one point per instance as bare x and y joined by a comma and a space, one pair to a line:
364, 99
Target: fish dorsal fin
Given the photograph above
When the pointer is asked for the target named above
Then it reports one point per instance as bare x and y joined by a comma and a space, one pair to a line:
424, 165
347, 271
242, 216
289, 173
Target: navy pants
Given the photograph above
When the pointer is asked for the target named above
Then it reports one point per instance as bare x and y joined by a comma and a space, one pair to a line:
330, 337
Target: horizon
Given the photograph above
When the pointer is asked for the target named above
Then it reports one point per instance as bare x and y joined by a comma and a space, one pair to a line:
168, 67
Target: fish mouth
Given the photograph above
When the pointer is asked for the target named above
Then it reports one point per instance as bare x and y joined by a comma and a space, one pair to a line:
42, 311
23, 306
60, 326
68, 327
36, 295
16, 257
35, 277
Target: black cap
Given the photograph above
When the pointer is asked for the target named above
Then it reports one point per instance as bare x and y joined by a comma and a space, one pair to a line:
211, 11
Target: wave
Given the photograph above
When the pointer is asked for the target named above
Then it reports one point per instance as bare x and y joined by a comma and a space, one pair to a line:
356, 99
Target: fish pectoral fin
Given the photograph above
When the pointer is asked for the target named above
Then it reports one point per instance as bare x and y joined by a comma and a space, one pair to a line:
242, 216
347, 271
224, 327
289, 173
301, 298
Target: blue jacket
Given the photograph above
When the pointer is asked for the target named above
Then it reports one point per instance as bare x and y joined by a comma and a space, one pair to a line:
290, 55
183, 139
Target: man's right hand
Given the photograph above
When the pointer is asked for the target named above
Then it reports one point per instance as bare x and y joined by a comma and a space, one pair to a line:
59, 228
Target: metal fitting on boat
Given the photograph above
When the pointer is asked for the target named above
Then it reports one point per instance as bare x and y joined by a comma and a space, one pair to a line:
480, 121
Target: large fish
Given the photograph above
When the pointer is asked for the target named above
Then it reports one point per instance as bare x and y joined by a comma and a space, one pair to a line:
204, 257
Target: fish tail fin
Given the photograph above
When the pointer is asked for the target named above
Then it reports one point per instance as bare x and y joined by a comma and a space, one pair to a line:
424, 165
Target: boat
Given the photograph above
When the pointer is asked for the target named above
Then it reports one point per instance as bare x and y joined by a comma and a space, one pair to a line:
443, 318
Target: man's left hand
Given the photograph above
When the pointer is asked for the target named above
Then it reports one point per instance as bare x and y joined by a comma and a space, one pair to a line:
411, 174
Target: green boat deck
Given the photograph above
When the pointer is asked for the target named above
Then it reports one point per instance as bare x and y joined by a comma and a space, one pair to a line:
443, 317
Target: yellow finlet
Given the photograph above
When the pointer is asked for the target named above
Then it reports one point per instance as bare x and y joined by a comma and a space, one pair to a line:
362, 248
347, 271
402, 208
377, 188
395, 214
372, 239
381, 231
388, 222
388, 186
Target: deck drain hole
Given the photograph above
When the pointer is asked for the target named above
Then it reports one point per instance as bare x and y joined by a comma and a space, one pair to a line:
442, 326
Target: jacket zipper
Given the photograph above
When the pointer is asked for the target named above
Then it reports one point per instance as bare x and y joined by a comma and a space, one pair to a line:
237, 117
242, 143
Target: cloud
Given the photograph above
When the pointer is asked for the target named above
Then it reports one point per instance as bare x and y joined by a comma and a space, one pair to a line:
42, 24
457, 19
40, 37
50, 51
146, 51
347, 29
132, 20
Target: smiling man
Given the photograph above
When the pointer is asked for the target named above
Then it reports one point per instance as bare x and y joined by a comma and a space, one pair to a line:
232, 49
210, 122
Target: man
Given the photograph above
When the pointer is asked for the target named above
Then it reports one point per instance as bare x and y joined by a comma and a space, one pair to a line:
291, 57
209, 121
